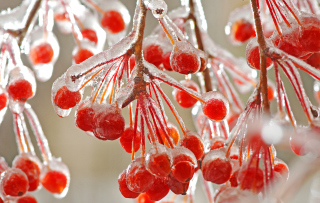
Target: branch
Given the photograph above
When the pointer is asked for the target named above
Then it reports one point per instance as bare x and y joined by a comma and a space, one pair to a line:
263, 85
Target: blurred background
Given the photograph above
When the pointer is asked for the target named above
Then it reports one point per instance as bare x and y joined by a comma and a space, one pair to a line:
95, 165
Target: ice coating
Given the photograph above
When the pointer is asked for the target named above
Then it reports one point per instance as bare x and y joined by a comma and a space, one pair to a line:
59, 83
16, 18
75, 74
43, 71
55, 164
159, 8
159, 161
235, 194
177, 151
38, 132
239, 15
13, 183
212, 99
172, 107
3, 165
199, 14
21, 75
138, 178
13, 49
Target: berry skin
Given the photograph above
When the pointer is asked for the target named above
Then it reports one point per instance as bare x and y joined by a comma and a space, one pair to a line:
176, 186
234, 179
91, 35
216, 167
158, 190
14, 182
185, 63
20, 90
108, 123
139, 179
3, 100
183, 164
54, 182
270, 93
173, 133
41, 53
309, 35
215, 109
65, 99
82, 55
158, 161
27, 199
122, 180
281, 168
166, 61
113, 21
127, 138
253, 58
84, 116
144, 198
251, 178
216, 143
314, 60
183, 98
30, 168
242, 30
153, 54
194, 143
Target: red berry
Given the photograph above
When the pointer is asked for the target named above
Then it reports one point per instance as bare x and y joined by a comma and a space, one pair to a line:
314, 60
290, 43
84, 116
122, 180
234, 179
183, 165
54, 181
113, 21
281, 168
298, 141
1, 200
158, 161
144, 198
82, 55
253, 57
183, 98
41, 53
30, 167
108, 123
27, 199
166, 61
3, 100
127, 138
185, 62
173, 133
20, 90
251, 178
139, 179
158, 190
216, 106
89, 34
216, 143
194, 143
309, 36
153, 54
216, 167
271, 93
14, 182
242, 30
176, 186
65, 99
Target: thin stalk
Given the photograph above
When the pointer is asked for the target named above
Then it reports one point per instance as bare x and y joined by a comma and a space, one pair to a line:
205, 73
263, 85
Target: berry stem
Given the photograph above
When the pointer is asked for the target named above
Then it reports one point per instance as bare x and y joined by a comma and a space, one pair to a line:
263, 85
95, 6
22, 145
21, 33
205, 73
38, 132
135, 130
